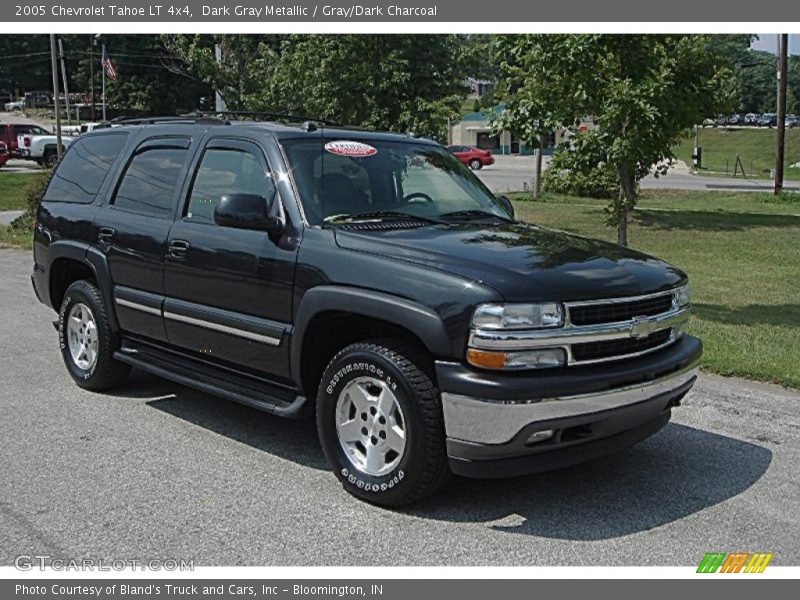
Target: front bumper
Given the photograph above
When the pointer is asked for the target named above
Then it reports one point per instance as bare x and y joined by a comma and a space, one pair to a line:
490, 418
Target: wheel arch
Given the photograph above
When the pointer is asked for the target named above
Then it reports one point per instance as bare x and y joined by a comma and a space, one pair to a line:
71, 261
368, 314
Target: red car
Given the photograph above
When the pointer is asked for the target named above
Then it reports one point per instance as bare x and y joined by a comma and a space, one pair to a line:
4, 156
474, 158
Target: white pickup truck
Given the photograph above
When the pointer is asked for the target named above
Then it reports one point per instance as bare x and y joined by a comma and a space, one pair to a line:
41, 148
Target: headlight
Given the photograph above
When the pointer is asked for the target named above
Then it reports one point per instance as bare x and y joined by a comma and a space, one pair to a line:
518, 316
683, 295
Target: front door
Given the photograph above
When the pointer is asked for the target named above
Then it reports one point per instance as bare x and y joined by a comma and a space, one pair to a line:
228, 291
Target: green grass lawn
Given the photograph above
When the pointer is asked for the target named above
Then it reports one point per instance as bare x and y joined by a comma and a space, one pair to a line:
755, 147
742, 256
12, 190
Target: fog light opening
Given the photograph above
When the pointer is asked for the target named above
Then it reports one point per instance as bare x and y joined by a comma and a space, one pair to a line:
540, 436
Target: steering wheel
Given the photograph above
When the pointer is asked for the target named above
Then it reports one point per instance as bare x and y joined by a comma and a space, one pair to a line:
417, 195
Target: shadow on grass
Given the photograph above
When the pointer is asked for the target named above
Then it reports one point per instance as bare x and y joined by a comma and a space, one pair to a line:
677, 473
763, 314
708, 220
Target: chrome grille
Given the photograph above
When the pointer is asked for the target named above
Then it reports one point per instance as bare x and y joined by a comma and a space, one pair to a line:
592, 314
593, 351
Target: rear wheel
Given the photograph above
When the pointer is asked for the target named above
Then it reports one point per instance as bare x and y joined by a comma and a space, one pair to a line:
379, 420
475, 164
87, 340
50, 158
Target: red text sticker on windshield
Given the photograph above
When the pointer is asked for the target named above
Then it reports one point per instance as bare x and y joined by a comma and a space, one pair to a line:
353, 149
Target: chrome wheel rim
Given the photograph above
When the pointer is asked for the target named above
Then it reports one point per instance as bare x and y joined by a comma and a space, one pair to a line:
82, 336
370, 426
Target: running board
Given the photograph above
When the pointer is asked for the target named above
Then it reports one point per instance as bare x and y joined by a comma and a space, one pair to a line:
251, 391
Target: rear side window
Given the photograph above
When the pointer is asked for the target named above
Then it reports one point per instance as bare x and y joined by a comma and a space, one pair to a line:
84, 168
148, 185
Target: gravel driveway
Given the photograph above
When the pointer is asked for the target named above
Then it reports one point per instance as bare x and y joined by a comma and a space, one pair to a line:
156, 470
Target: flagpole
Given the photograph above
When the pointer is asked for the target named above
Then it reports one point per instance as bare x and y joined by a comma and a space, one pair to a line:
103, 69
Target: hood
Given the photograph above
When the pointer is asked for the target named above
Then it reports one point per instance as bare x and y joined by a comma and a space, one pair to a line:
523, 262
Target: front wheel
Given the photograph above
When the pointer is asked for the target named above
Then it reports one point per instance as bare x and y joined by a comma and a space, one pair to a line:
475, 164
380, 424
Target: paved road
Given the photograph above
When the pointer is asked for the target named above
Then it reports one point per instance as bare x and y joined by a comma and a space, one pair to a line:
156, 470
6, 216
515, 173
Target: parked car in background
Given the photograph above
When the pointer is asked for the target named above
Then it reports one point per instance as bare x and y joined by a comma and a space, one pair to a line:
4, 156
721, 121
709, 122
474, 158
14, 106
736, 119
751, 119
792, 121
768, 120
42, 149
11, 128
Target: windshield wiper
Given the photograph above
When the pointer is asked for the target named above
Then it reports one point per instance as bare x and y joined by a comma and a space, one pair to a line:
473, 213
383, 215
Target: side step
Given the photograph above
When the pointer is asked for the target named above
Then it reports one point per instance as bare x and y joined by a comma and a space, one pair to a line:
254, 392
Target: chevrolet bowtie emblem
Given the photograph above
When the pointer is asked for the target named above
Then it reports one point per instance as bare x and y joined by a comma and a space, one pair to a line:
643, 327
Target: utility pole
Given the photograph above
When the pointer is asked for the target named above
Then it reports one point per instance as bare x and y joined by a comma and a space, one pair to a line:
219, 102
91, 73
537, 182
64, 78
53, 66
103, 69
783, 51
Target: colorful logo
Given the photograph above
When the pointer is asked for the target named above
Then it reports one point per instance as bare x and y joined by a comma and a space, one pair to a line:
734, 562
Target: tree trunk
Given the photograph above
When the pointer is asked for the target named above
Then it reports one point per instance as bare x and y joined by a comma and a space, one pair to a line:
538, 179
625, 202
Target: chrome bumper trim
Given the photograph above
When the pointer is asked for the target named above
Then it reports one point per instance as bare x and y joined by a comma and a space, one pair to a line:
486, 422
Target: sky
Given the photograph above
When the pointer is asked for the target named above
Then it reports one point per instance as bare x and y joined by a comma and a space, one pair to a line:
769, 42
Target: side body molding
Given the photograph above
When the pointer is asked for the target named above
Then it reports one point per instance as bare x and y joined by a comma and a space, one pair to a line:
420, 320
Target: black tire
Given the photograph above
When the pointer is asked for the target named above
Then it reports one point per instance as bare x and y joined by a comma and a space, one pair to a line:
475, 164
50, 159
423, 467
106, 372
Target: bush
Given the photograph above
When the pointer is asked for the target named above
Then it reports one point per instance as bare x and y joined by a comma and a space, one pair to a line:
577, 174
33, 195
476, 105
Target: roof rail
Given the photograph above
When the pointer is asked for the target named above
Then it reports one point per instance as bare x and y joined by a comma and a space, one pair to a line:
257, 115
194, 118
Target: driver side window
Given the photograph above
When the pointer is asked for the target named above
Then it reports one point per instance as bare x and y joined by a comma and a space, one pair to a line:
224, 171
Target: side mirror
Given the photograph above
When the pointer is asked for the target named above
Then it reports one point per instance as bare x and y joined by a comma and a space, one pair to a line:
250, 211
506, 204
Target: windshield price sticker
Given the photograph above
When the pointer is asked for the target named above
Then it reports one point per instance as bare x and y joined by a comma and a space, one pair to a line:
352, 149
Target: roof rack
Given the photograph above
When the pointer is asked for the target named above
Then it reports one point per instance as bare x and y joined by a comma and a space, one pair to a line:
194, 118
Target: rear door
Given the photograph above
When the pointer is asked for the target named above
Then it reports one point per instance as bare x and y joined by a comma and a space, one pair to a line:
228, 291
132, 231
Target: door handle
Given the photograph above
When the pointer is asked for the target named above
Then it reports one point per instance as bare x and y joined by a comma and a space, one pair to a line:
105, 235
178, 248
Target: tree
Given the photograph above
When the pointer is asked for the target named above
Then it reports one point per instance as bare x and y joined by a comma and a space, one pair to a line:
642, 92
394, 82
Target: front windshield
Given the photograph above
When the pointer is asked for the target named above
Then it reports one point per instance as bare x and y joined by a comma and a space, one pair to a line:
342, 179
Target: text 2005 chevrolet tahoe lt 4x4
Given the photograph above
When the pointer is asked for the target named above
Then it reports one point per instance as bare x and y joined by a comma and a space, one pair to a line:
367, 278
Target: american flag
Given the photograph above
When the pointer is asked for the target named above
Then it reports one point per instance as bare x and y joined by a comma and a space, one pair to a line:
107, 65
